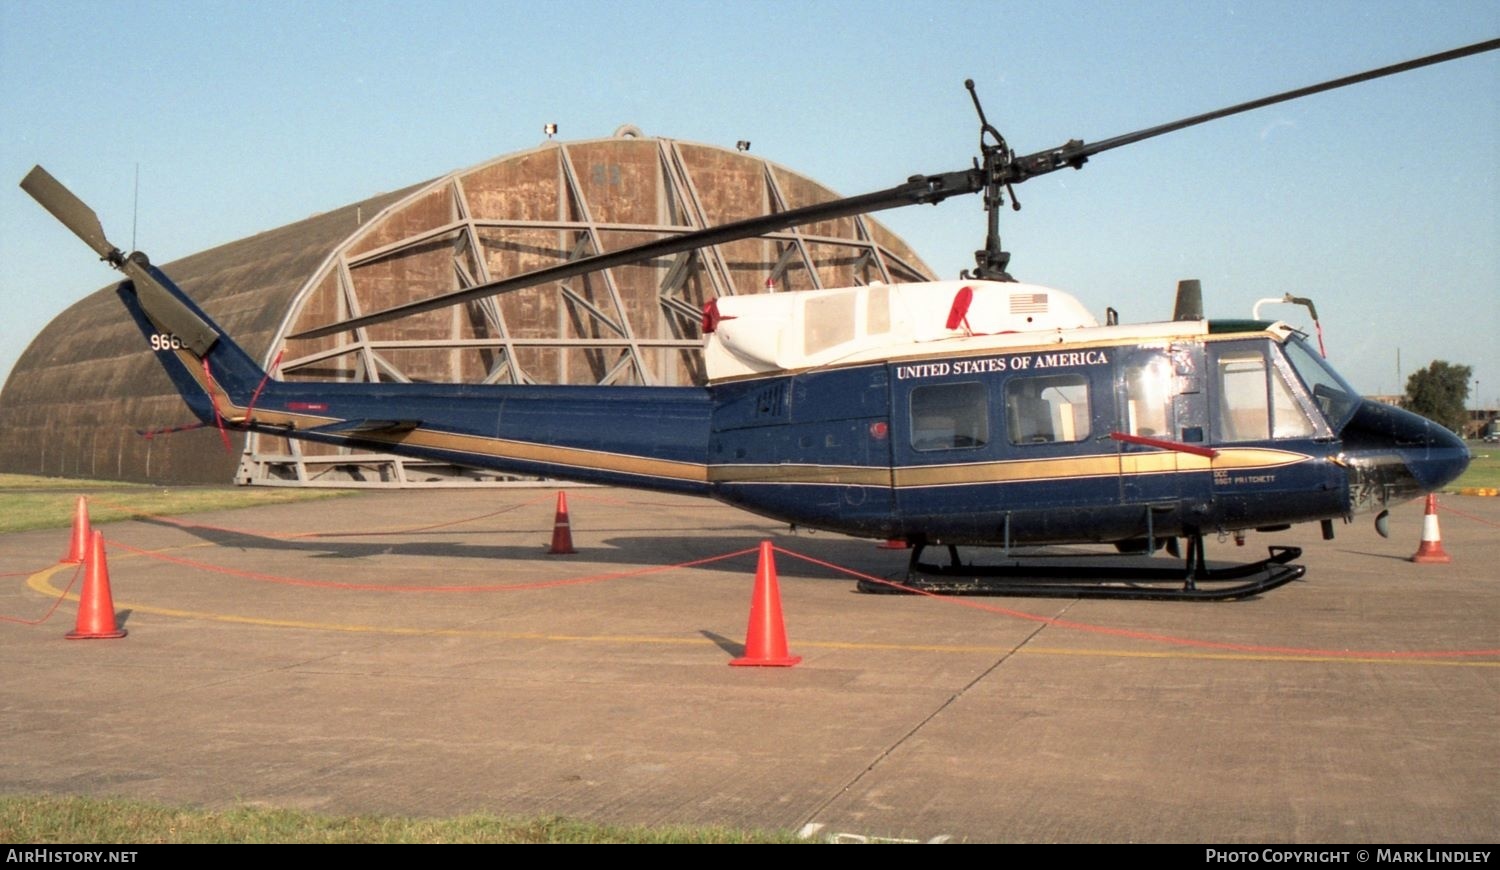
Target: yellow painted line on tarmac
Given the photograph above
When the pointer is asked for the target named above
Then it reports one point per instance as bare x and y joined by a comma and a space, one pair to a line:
1147, 654
1257, 657
41, 582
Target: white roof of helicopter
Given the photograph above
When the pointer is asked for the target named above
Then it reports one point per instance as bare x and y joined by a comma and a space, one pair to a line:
777, 332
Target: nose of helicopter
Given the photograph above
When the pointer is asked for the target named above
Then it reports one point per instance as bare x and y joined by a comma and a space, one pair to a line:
1394, 455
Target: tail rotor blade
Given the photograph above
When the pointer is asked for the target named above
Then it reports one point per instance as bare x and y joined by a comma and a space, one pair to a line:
164, 309
70, 210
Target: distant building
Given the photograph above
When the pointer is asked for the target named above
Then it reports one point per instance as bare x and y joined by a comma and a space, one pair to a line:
1482, 423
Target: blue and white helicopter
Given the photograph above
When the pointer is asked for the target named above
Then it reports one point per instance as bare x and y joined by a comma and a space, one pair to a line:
981, 411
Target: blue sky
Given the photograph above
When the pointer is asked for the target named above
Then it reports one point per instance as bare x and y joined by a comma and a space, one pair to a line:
1380, 202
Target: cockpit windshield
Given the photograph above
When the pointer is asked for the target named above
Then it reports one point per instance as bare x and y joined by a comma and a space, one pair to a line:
1331, 393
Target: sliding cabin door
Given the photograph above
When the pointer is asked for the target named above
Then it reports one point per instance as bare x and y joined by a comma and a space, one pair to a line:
1161, 399
1012, 448
943, 448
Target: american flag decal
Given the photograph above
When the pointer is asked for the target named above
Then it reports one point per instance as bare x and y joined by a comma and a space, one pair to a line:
1028, 303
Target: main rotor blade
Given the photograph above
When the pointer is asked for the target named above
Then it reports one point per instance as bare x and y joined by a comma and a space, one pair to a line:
70, 210
1075, 153
920, 189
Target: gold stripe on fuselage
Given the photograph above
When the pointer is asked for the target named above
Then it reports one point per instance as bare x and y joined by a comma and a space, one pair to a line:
477, 445
846, 475
1009, 471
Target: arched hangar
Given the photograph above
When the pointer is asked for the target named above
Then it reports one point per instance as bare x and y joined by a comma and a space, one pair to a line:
82, 393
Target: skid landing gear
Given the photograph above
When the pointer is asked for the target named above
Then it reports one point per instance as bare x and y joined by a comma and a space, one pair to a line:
1192, 581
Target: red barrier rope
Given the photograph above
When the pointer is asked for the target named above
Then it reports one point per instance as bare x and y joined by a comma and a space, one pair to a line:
542, 499
372, 587
214, 400
1172, 640
585, 495
255, 396
1449, 509
51, 610
288, 536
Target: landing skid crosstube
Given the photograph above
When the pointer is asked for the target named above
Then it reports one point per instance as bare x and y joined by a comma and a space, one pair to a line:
1192, 581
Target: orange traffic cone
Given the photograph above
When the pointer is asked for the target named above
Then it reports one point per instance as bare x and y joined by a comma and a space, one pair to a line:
562, 532
78, 549
1431, 549
96, 608
765, 639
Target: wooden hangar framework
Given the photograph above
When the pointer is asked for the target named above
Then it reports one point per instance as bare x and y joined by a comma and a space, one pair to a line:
632, 325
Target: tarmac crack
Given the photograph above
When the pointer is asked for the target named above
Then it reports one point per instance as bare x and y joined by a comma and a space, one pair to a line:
948, 702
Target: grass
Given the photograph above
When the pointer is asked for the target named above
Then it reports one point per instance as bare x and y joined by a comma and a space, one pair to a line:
99, 820
1484, 467
28, 502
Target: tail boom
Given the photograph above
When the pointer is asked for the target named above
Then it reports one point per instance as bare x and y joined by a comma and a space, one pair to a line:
643, 437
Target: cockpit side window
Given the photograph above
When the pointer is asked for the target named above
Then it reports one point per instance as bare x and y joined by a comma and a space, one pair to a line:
1288, 420
1334, 398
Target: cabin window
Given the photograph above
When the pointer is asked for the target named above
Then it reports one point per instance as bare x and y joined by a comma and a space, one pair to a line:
1256, 402
950, 416
1046, 410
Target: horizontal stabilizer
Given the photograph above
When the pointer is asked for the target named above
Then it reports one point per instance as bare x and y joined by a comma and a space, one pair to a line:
169, 430
355, 427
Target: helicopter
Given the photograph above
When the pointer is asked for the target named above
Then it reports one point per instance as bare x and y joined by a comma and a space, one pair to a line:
979, 411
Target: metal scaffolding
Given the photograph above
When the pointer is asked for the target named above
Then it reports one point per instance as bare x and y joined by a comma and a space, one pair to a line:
630, 325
